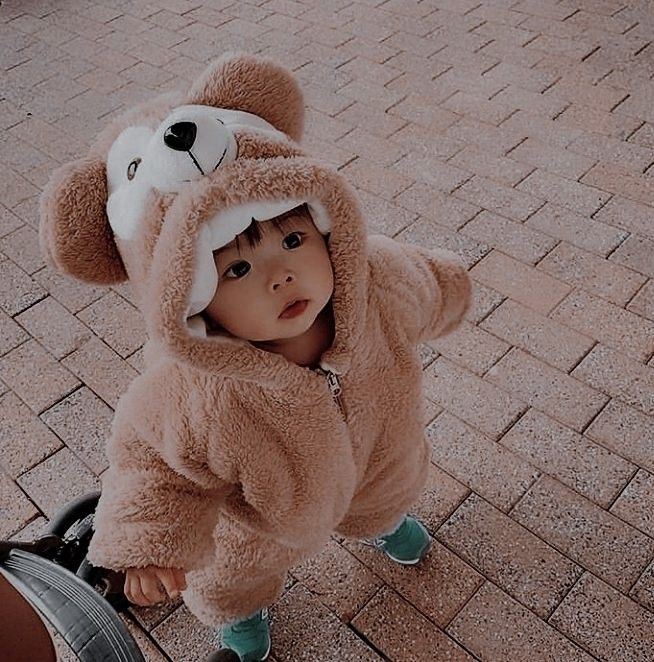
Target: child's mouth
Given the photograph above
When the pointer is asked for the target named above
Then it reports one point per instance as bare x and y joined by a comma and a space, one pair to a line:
294, 309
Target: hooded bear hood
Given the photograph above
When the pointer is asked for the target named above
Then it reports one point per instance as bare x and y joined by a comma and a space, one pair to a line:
183, 175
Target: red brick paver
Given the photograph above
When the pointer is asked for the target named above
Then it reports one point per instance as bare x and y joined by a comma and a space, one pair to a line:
519, 133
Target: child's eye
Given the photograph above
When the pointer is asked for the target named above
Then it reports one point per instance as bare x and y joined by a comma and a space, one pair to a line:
239, 269
293, 240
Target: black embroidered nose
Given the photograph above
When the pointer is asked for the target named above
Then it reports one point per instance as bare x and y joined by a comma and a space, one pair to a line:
180, 136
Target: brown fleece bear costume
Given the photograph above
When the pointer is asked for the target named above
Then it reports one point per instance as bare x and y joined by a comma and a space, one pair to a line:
227, 460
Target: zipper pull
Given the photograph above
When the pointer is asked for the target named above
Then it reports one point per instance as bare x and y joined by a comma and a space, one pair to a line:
334, 384
334, 387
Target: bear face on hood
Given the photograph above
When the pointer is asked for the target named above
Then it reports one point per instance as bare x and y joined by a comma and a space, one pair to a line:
176, 178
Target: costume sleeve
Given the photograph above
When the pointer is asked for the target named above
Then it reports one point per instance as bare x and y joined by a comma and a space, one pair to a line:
428, 290
159, 500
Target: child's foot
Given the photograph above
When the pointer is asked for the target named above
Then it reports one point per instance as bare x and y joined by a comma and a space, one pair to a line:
249, 638
407, 545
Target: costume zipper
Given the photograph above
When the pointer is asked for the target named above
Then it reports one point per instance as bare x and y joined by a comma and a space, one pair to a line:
334, 387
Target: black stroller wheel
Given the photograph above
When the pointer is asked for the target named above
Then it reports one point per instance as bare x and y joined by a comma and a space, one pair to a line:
73, 512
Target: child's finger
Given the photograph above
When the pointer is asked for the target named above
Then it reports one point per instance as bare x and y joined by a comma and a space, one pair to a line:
168, 579
133, 592
150, 589
180, 579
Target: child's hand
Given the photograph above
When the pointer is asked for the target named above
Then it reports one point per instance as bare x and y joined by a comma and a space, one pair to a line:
147, 586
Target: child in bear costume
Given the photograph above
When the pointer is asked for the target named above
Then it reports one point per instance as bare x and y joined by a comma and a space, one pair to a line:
234, 457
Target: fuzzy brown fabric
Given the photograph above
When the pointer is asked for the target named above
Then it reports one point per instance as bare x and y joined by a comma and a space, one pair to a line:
75, 236
233, 462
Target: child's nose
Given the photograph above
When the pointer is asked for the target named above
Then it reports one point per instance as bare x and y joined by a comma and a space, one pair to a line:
282, 278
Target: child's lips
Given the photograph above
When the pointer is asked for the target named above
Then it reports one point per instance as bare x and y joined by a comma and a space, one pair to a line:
295, 308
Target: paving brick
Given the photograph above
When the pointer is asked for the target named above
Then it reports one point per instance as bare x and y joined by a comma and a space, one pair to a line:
576, 229
17, 290
399, 631
117, 322
558, 190
643, 590
382, 98
456, 580
643, 302
382, 216
472, 348
439, 499
35, 376
182, 637
594, 274
83, 421
494, 626
499, 476
434, 172
24, 439
375, 179
421, 110
609, 625
11, 335
626, 431
549, 390
636, 503
339, 580
374, 121
8, 221
619, 376
627, 214
443, 209
622, 181
470, 398
305, 630
514, 239
72, 294
556, 160
584, 532
527, 124
16, 510
484, 301
637, 254
644, 136
58, 330
617, 328
598, 121
586, 467
601, 97
477, 106
524, 566
522, 283
500, 169
494, 197
101, 369
621, 153
542, 337
532, 102
427, 234
375, 148
490, 139
57, 480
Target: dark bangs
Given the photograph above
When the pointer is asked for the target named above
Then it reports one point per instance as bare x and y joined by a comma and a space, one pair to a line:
253, 233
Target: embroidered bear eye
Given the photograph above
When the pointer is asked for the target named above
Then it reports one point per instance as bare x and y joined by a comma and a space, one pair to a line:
132, 168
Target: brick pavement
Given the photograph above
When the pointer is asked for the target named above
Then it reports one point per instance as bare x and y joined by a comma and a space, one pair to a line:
517, 132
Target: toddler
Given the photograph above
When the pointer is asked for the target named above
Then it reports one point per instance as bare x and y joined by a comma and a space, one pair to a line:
274, 290
280, 400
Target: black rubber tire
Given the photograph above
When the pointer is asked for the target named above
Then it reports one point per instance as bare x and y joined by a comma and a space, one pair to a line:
72, 512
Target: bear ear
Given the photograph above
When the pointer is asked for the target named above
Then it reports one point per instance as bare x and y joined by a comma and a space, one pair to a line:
239, 81
74, 232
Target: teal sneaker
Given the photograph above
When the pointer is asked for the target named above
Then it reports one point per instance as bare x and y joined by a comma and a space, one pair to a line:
407, 545
249, 638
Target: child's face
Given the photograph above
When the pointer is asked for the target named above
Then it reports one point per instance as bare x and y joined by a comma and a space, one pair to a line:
256, 283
